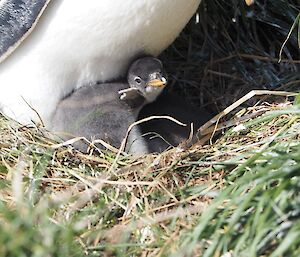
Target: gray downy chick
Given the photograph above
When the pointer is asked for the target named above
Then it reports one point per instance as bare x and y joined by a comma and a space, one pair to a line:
160, 134
146, 77
97, 112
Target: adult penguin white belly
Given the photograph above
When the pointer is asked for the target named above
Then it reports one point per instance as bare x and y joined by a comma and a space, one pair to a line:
77, 42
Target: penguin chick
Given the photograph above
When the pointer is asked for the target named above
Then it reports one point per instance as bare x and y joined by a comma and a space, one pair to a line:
97, 112
147, 77
160, 134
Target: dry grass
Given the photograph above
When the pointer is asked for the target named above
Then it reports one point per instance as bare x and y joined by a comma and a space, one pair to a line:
144, 206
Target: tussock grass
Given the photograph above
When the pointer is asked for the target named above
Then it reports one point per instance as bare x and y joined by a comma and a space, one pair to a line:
235, 195
233, 49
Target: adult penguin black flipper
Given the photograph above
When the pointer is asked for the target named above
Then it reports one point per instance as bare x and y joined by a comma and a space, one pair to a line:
17, 19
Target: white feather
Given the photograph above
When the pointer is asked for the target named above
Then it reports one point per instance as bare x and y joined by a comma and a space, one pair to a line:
78, 42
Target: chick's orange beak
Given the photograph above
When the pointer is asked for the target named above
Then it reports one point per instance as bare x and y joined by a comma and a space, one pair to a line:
157, 82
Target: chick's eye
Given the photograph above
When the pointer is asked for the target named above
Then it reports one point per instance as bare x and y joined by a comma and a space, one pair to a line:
138, 80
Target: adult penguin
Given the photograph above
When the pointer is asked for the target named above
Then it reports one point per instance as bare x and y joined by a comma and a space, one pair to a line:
51, 47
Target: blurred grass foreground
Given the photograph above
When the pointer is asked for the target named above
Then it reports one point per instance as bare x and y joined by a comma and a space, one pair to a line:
236, 192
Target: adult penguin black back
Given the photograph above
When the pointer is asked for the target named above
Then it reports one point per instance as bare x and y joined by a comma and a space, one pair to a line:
67, 44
